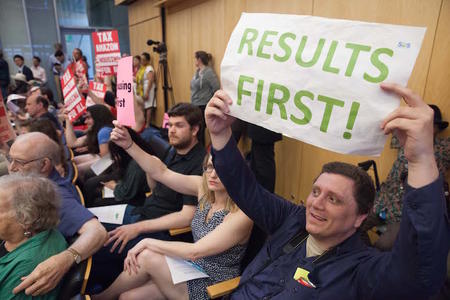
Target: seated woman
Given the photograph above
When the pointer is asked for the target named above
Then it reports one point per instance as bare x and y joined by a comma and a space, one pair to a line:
29, 214
220, 230
127, 179
99, 121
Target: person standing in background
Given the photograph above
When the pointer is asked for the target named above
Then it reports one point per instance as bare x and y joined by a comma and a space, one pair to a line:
38, 71
19, 61
4, 76
80, 70
136, 65
203, 86
56, 61
145, 86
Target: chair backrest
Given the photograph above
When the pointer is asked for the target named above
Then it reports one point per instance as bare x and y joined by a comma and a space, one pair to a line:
75, 172
80, 194
71, 155
70, 171
74, 282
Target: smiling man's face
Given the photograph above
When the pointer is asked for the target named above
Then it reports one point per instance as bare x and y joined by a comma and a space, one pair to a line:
331, 209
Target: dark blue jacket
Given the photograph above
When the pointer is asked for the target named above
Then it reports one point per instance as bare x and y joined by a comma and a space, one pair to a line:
414, 269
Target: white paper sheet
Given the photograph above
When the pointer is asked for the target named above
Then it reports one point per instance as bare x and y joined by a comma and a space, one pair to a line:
107, 192
102, 164
317, 79
112, 214
182, 270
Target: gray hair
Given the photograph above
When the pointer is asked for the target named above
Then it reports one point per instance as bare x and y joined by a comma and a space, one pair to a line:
41, 146
34, 199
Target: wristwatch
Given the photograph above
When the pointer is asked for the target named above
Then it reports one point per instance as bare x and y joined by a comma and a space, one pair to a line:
75, 254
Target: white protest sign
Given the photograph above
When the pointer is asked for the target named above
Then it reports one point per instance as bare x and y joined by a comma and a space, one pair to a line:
107, 52
73, 102
317, 79
98, 89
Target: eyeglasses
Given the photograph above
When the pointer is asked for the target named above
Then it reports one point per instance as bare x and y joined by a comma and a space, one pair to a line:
208, 168
20, 162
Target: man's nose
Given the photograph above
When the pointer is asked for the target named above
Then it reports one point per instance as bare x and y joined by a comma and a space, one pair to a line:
319, 202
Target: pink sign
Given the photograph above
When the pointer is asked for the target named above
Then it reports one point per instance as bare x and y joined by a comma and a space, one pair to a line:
73, 102
125, 97
107, 52
6, 131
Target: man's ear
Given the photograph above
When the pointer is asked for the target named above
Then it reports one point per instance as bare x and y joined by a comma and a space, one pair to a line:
195, 130
359, 220
46, 166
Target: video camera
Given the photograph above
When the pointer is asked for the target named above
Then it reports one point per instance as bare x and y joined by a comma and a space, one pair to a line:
160, 47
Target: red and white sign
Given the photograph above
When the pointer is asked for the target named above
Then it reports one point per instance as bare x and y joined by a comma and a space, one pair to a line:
107, 52
74, 103
6, 131
98, 89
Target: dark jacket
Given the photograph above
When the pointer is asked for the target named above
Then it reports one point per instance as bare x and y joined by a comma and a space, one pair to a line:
4, 73
414, 269
27, 72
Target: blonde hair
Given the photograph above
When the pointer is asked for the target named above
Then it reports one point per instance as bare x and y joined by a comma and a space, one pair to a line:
209, 196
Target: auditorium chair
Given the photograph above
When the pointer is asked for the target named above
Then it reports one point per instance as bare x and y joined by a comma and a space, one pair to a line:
75, 281
80, 195
75, 172
182, 234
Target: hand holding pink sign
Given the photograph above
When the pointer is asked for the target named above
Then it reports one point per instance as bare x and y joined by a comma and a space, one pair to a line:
125, 97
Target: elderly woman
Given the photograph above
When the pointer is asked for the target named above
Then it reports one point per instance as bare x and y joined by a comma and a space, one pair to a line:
29, 213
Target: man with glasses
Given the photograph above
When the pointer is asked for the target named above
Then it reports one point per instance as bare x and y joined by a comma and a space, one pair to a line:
36, 153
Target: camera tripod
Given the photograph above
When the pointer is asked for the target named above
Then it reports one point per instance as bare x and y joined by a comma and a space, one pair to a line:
163, 75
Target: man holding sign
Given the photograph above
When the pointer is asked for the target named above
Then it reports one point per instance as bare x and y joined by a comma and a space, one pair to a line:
316, 79
323, 88
316, 252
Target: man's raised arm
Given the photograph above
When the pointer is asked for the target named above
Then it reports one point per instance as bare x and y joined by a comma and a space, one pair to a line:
267, 210
416, 266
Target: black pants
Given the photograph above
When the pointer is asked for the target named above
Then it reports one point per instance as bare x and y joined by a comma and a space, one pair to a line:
262, 163
92, 189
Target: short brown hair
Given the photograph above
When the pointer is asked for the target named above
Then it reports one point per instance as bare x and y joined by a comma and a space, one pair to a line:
43, 100
364, 189
190, 112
